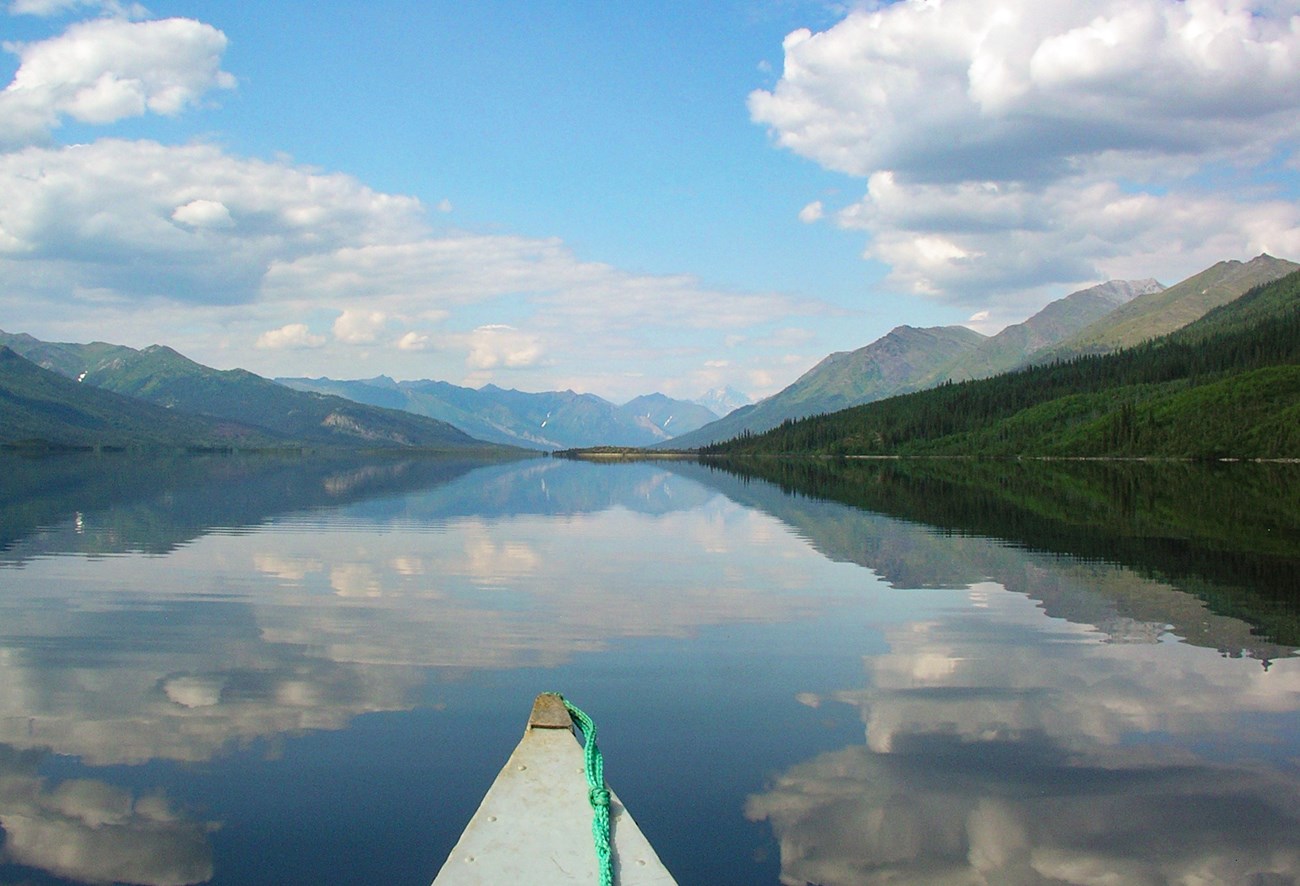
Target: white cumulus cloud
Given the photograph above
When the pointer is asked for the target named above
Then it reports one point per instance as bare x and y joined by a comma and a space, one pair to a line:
146, 219
1013, 89
499, 345
980, 238
413, 341
1009, 144
290, 336
359, 327
204, 214
109, 69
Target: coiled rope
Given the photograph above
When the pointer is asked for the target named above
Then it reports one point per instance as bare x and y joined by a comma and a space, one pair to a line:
597, 792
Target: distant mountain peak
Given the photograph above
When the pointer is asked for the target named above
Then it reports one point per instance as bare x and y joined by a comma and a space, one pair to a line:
1066, 316
724, 400
1161, 311
544, 420
1122, 290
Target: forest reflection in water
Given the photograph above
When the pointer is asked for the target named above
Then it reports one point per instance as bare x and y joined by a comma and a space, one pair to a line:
1003, 747
1059, 673
1226, 533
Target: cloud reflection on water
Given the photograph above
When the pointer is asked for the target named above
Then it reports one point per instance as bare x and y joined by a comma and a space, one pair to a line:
311, 622
91, 832
1039, 732
1004, 746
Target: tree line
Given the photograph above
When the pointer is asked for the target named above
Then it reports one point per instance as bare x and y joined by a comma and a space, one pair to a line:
1226, 385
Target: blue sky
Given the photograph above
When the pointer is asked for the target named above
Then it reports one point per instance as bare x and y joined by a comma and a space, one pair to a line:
621, 198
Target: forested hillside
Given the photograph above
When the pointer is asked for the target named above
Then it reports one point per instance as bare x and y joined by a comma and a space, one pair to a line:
41, 409
905, 359
1159, 313
909, 359
64, 402
1227, 385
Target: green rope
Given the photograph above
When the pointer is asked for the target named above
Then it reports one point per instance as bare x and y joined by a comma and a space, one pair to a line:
597, 792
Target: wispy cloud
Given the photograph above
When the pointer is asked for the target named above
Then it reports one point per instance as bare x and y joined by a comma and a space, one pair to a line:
192, 226
58, 7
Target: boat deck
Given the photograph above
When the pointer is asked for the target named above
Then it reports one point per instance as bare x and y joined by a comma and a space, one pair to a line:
534, 824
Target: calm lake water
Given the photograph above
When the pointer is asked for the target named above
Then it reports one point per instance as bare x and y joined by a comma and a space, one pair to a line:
284, 671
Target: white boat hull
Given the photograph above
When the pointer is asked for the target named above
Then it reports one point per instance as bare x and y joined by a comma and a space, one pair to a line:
533, 827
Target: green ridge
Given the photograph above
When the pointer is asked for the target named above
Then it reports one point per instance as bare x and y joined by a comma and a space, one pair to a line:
1228, 385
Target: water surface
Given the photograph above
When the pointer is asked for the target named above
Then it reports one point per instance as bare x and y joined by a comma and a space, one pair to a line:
261, 670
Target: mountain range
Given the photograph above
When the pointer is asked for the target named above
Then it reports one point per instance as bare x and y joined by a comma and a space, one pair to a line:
63, 394
1100, 319
72, 395
1226, 385
548, 420
1163, 311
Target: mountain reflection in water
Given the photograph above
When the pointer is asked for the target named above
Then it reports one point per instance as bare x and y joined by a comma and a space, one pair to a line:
1003, 746
1061, 674
1221, 543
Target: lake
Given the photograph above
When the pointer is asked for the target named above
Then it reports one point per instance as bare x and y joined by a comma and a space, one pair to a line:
277, 670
